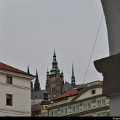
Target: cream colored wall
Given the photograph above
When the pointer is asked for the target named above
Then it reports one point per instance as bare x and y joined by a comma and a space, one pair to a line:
61, 102
70, 110
11, 113
88, 94
44, 109
21, 97
19, 81
2, 78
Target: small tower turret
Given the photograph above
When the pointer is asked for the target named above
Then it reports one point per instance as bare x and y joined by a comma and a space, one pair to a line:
73, 77
31, 86
37, 84
28, 71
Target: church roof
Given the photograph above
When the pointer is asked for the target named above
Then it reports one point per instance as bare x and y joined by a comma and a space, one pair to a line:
67, 86
71, 92
54, 69
66, 94
6, 67
38, 94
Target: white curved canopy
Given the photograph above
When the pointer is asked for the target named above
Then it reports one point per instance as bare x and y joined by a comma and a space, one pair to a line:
111, 10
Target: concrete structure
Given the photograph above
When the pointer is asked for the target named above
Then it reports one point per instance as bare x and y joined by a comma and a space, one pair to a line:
86, 100
110, 66
111, 10
15, 95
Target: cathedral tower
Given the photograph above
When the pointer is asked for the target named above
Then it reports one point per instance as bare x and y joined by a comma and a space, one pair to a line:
55, 79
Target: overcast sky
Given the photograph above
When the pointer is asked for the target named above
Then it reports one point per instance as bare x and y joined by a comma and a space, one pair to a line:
31, 29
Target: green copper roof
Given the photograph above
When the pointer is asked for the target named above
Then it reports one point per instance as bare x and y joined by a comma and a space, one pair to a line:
55, 68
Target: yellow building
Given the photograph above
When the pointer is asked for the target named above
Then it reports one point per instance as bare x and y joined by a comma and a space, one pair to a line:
85, 100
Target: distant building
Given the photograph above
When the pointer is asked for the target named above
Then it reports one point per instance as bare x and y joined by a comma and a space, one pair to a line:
37, 96
55, 79
68, 99
68, 86
36, 111
15, 95
55, 86
86, 100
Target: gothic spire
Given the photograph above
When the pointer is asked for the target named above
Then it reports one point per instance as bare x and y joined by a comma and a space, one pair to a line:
55, 68
28, 71
73, 77
54, 63
36, 84
31, 86
62, 71
47, 71
54, 55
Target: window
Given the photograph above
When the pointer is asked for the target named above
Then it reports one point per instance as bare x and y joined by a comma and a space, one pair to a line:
80, 106
103, 102
93, 91
8, 79
65, 110
77, 108
55, 113
73, 108
94, 100
45, 114
46, 107
9, 99
51, 113
99, 103
89, 106
85, 106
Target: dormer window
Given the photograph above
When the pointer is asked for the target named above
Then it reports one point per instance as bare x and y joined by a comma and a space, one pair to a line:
93, 91
8, 79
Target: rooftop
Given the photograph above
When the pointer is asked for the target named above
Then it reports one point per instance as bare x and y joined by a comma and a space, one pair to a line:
6, 67
71, 92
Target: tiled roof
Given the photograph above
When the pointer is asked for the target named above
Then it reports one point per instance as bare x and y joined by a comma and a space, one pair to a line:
70, 92
67, 86
81, 86
6, 67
